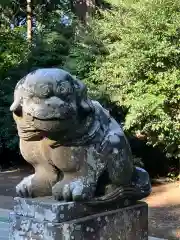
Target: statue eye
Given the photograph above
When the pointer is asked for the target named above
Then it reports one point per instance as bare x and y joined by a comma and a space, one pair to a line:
39, 90
63, 89
42, 90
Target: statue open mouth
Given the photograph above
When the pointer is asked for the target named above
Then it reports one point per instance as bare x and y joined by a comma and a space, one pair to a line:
54, 119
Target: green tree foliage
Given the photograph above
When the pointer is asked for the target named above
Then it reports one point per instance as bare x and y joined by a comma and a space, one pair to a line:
132, 54
13, 52
128, 54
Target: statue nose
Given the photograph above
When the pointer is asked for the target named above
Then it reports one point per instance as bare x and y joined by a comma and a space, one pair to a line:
55, 102
60, 103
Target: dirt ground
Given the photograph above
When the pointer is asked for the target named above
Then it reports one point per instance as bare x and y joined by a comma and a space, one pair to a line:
164, 203
164, 211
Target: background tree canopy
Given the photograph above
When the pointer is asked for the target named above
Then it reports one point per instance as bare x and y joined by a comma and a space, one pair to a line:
128, 54
137, 66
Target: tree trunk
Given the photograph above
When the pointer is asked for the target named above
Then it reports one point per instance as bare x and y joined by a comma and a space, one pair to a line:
84, 8
29, 21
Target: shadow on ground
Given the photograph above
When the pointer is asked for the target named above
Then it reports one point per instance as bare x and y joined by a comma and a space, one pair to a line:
10, 178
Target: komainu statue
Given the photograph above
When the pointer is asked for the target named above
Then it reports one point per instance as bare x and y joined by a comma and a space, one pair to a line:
79, 152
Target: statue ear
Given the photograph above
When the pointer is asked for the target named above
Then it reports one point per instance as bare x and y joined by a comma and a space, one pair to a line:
15, 105
17, 99
81, 92
81, 88
18, 93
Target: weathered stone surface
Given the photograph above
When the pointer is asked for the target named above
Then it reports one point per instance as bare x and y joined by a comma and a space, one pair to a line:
78, 150
48, 209
129, 223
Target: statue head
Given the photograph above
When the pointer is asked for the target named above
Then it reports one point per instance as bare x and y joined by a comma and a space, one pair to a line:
48, 100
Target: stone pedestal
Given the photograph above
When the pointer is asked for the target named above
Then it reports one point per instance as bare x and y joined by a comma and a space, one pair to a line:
46, 219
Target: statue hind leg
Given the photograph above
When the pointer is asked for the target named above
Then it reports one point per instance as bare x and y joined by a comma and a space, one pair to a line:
133, 181
120, 168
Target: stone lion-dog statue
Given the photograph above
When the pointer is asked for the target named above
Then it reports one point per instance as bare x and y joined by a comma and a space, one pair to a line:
79, 152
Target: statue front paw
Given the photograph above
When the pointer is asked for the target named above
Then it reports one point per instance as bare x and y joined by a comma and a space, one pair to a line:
79, 189
24, 188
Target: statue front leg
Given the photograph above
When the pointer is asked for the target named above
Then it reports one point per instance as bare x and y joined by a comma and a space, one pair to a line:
75, 187
81, 171
46, 175
38, 184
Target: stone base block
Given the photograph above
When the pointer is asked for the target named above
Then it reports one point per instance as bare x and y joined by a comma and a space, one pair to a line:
42, 219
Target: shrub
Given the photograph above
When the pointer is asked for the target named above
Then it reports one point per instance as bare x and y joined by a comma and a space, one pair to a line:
137, 66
